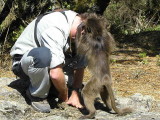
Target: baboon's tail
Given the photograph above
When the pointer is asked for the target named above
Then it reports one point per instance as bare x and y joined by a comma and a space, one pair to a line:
118, 111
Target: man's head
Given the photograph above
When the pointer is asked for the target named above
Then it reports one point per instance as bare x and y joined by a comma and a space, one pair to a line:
77, 21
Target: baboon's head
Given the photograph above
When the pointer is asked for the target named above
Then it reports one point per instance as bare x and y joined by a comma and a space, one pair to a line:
92, 35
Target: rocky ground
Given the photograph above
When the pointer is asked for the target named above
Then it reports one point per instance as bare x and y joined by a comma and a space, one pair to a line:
14, 106
136, 83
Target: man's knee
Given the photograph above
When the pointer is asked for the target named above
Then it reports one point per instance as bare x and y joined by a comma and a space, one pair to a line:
41, 57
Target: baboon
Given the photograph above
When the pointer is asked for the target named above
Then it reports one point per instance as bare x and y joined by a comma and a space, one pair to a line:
94, 42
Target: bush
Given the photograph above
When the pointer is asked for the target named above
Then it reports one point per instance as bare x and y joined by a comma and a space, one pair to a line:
130, 16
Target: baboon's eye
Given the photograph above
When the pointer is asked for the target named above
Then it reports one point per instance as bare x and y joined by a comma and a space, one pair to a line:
98, 38
88, 29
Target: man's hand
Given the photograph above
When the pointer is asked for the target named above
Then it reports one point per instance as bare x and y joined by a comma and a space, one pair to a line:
74, 100
58, 80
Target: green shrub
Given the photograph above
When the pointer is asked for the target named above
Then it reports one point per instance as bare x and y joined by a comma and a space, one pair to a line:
130, 16
16, 33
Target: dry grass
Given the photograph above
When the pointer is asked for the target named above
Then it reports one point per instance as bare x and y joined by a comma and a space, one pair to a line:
137, 78
5, 66
131, 74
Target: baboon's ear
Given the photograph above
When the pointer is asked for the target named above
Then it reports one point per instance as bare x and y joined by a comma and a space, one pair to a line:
80, 28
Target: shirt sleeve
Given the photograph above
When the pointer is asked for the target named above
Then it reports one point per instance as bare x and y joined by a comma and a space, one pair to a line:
53, 38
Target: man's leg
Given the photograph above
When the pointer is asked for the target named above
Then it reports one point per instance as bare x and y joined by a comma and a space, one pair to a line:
35, 64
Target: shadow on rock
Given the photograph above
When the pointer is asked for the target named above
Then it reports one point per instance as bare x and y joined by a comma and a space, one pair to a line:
99, 105
52, 96
21, 86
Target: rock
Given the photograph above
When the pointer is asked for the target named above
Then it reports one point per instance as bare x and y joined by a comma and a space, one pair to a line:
54, 117
15, 106
142, 103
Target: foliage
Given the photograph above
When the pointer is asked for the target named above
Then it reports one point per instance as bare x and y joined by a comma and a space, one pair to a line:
113, 60
153, 28
15, 34
142, 55
79, 6
130, 16
85, 5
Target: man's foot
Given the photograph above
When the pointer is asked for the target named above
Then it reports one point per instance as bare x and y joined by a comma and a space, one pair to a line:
38, 104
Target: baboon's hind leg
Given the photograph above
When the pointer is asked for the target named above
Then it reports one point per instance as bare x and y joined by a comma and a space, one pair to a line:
105, 98
89, 94
89, 104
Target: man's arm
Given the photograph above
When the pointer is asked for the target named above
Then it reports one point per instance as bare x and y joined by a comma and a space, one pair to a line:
78, 78
74, 99
58, 80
